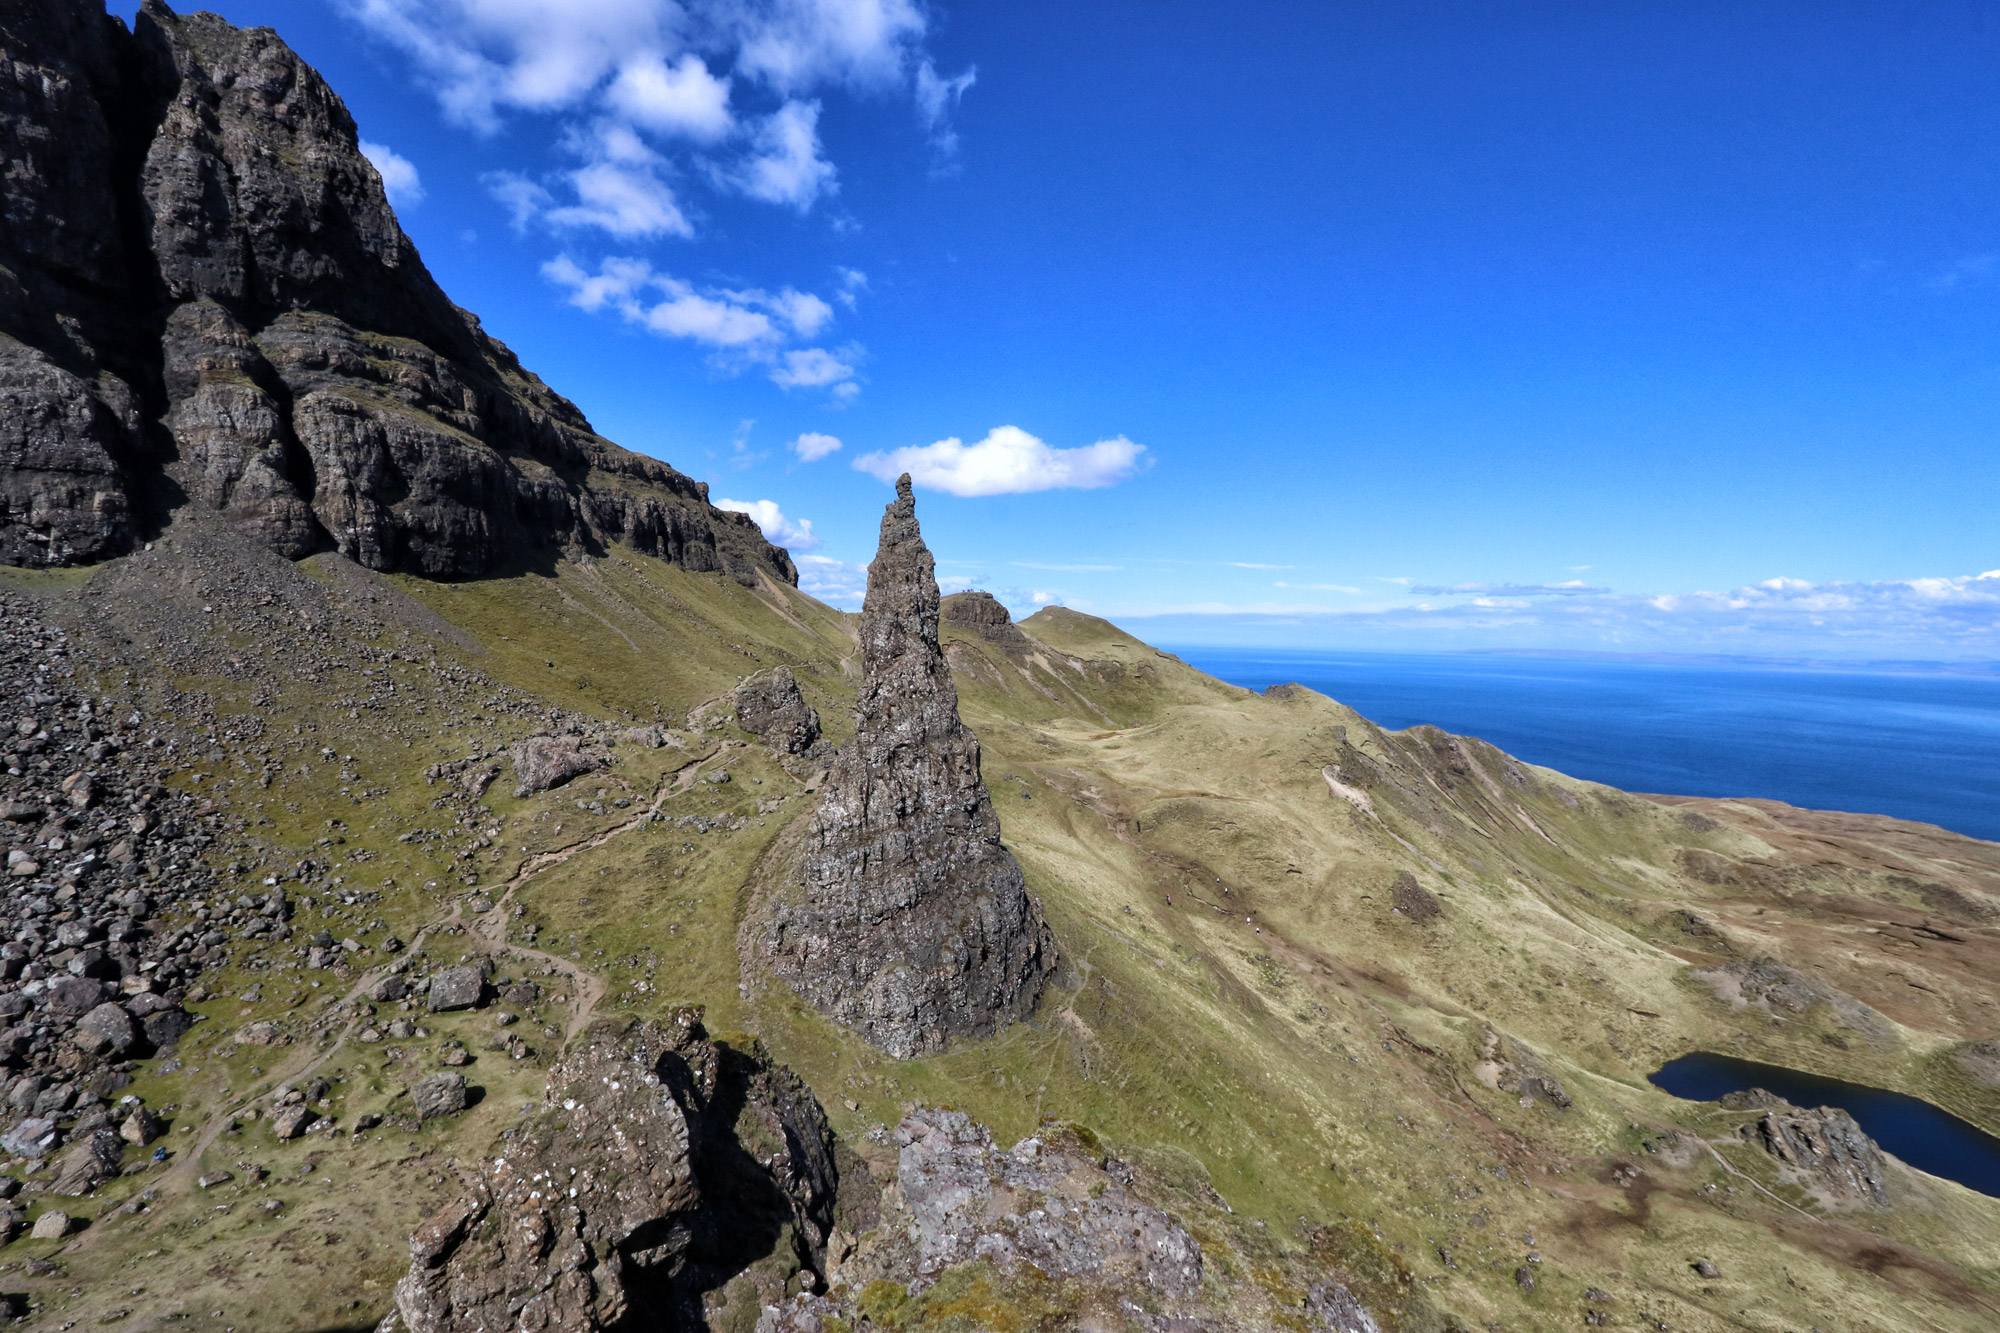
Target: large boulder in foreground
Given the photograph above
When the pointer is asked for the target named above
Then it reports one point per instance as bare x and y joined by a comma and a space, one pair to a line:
660, 1165
914, 926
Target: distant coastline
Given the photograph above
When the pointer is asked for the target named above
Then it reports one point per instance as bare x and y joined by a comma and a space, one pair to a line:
1910, 740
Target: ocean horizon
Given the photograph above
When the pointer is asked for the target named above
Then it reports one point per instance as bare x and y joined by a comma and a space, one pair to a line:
1915, 740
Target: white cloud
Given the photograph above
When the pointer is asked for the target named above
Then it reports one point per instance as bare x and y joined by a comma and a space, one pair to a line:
811, 368
671, 69
399, 175
798, 44
745, 326
1066, 569
524, 199
835, 582
937, 98
681, 98
1009, 461
785, 166
1567, 588
628, 201
812, 446
1932, 618
796, 536
1252, 564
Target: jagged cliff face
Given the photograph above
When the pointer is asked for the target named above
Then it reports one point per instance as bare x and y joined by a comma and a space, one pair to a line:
915, 926
205, 299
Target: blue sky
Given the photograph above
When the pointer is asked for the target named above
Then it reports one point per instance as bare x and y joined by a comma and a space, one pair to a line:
1434, 325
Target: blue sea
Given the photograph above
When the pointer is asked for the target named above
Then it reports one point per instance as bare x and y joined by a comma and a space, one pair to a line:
1913, 743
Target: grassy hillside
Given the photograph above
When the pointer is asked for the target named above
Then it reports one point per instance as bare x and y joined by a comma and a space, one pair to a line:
1313, 967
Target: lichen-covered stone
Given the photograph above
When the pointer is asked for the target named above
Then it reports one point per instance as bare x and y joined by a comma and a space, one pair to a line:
914, 926
656, 1167
770, 707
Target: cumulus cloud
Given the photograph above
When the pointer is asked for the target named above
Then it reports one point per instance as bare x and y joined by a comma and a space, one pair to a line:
399, 175
729, 86
1009, 461
784, 165
813, 446
781, 531
680, 99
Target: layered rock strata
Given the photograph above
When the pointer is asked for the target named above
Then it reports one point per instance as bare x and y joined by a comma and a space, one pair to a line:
914, 926
206, 299
659, 1166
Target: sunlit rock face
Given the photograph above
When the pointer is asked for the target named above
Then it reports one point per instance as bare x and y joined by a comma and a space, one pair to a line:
915, 927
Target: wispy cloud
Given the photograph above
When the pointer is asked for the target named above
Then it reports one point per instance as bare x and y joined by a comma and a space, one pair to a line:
747, 325
1251, 564
1066, 569
1570, 588
1316, 587
1009, 461
1941, 617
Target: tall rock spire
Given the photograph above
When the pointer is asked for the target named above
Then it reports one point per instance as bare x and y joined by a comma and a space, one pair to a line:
915, 927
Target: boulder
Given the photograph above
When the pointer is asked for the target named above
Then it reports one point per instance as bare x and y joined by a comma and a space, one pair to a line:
88, 1164
770, 707
675, 1162
458, 987
52, 1225
542, 762
442, 1093
260, 1034
33, 1136
141, 1127
73, 997
292, 1121
106, 1031
165, 1027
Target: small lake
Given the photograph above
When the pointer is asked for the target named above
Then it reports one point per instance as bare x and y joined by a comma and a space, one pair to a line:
1915, 1131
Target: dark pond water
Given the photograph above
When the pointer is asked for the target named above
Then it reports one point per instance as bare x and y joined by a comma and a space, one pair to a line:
1919, 1133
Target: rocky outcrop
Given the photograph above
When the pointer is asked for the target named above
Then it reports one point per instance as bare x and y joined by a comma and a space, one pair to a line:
659, 1165
1044, 1209
1819, 1146
981, 613
770, 706
914, 926
206, 299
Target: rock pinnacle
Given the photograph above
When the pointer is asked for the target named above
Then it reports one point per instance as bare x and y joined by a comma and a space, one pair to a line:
915, 927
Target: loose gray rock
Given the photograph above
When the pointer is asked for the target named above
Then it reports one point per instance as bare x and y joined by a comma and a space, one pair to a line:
33, 1136
542, 762
442, 1093
292, 1121
770, 707
106, 1030
52, 1225
458, 987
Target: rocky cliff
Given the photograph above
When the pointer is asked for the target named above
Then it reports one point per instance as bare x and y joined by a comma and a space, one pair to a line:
915, 926
206, 300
